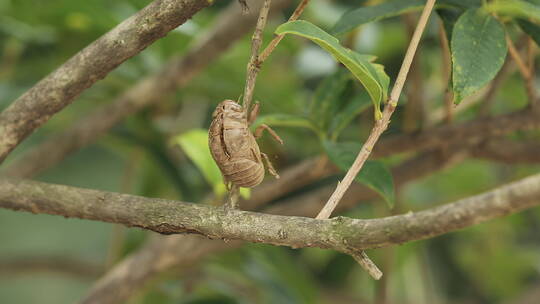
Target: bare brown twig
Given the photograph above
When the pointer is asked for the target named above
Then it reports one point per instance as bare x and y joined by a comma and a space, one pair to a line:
494, 87
253, 65
447, 73
257, 59
272, 45
525, 71
413, 116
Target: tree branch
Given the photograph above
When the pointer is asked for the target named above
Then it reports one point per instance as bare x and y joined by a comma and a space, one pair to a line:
230, 26
61, 87
342, 234
508, 151
253, 65
468, 132
159, 255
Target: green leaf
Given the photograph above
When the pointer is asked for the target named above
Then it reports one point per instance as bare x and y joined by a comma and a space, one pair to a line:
366, 14
449, 17
374, 174
515, 8
531, 29
195, 145
327, 95
359, 65
343, 118
478, 51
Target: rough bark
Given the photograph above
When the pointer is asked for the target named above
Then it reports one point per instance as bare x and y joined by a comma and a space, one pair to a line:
339, 233
62, 86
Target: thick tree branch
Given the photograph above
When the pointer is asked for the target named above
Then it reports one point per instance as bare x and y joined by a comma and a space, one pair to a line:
61, 87
468, 132
342, 234
230, 26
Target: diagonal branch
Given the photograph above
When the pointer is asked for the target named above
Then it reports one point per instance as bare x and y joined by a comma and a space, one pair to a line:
61, 87
340, 233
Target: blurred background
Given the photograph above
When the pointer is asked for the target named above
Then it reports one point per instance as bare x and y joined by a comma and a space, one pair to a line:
47, 259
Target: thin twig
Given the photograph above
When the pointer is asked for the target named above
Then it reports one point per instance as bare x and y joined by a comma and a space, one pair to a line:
366, 263
413, 116
531, 54
253, 64
381, 124
514, 53
447, 73
525, 72
257, 59
272, 45
233, 197
489, 97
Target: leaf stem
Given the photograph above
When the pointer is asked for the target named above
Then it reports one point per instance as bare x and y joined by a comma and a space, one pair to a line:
272, 45
381, 124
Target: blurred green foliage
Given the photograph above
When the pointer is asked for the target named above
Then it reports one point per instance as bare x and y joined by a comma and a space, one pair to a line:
490, 263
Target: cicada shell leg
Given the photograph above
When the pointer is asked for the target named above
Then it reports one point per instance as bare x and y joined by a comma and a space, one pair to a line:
261, 128
271, 169
254, 113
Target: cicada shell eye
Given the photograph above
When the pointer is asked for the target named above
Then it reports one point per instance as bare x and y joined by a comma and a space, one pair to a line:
231, 105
